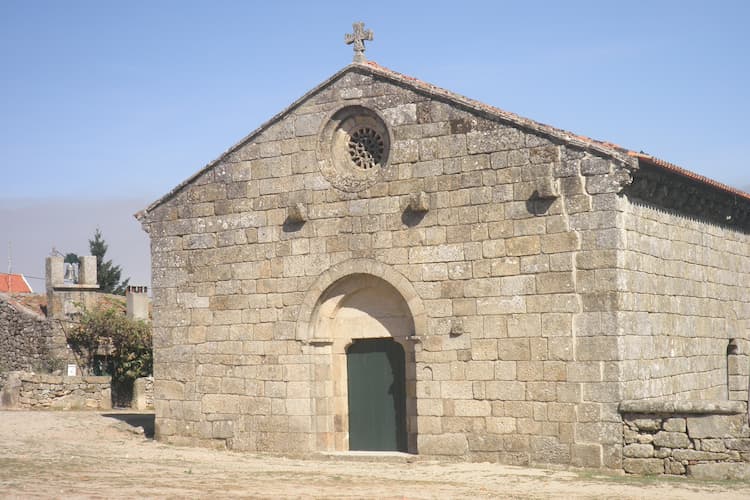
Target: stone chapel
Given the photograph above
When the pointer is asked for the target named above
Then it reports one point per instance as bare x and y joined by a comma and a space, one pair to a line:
388, 266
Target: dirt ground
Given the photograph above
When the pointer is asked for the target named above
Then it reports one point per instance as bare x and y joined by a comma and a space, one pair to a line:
101, 455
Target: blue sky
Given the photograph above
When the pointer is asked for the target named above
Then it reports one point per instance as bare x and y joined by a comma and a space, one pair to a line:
105, 100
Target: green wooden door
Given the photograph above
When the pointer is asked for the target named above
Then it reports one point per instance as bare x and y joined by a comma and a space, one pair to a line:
377, 396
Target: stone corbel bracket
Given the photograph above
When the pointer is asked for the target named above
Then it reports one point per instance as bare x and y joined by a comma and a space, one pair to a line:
419, 202
546, 188
457, 328
297, 213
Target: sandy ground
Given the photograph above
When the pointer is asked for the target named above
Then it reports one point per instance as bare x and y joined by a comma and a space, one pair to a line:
93, 455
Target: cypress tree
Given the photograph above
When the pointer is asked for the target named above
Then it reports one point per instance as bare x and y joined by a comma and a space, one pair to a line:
107, 274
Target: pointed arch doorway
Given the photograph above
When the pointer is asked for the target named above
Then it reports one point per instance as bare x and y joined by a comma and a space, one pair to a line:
365, 373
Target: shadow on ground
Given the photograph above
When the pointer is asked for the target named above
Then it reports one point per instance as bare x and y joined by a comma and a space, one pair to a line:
145, 420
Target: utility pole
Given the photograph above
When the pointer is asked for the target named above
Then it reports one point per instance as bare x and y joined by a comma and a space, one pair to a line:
10, 267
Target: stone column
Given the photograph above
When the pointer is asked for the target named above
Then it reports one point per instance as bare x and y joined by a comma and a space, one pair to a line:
54, 271
87, 270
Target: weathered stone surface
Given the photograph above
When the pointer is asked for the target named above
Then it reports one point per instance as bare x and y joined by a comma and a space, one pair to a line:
643, 466
715, 445
647, 424
443, 444
716, 426
675, 425
549, 450
586, 455
697, 455
671, 440
732, 471
673, 467
738, 444
638, 451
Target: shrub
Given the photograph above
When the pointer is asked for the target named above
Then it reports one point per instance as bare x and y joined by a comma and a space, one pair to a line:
126, 344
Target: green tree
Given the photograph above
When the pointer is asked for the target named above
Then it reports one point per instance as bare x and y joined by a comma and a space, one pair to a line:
71, 258
107, 274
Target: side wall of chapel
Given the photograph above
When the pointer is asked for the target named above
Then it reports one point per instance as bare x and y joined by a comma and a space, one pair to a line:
686, 301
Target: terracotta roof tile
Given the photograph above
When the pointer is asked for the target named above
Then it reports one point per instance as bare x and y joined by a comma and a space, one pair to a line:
14, 283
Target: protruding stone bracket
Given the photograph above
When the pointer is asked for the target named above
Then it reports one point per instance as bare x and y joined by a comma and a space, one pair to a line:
419, 202
546, 189
457, 328
318, 342
718, 407
296, 213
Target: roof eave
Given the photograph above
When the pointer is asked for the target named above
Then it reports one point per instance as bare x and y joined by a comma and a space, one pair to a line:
687, 174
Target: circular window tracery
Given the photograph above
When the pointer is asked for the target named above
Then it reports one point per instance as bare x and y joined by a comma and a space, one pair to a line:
366, 148
353, 148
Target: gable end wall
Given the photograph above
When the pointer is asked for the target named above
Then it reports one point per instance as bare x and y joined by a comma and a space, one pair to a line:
533, 283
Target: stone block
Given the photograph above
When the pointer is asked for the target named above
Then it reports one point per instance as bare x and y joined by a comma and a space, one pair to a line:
647, 424
586, 455
169, 389
485, 442
720, 471
671, 439
219, 403
500, 425
443, 444
716, 426
715, 445
638, 451
645, 438
738, 444
643, 466
672, 467
523, 245
505, 391
471, 408
517, 349
547, 449
675, 425
222, 429
697, 455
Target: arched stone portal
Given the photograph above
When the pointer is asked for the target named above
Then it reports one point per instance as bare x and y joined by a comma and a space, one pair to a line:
356, 307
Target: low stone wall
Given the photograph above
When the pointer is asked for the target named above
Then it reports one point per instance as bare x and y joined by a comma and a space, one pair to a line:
33, 391
702, 439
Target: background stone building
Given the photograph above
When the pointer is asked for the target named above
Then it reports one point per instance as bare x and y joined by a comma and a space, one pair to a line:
388, 265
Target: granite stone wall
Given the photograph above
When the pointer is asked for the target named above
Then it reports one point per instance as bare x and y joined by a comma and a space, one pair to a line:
703, 439
539, 295
684, 300
519, 242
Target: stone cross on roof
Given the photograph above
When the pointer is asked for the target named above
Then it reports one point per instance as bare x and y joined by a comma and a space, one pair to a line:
358, 38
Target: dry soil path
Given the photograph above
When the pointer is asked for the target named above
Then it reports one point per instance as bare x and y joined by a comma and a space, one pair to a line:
89, 455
